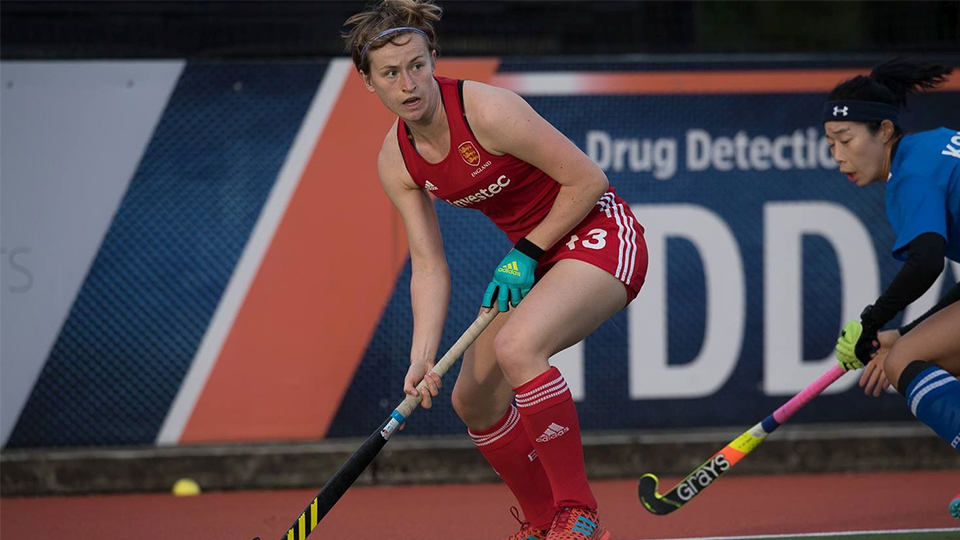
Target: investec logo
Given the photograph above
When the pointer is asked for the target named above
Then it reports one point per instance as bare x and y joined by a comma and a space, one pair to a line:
709, 472
483, 194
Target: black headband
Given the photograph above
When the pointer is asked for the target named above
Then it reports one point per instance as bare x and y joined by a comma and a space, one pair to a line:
860, 111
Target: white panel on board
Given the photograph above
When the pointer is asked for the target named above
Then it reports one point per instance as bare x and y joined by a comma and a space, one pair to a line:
72, 136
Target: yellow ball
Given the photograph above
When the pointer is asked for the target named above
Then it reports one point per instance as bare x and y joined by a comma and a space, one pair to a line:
186, 487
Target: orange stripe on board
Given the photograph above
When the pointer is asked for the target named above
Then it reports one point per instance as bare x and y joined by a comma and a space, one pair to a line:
682, 82
321, 289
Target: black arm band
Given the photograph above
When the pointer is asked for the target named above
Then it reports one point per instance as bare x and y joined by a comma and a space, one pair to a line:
923, 267
529, 249
952, 296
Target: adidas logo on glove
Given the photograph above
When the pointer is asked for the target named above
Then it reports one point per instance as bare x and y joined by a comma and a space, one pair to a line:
511, 269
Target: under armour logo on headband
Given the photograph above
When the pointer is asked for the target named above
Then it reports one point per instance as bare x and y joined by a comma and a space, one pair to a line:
852, 110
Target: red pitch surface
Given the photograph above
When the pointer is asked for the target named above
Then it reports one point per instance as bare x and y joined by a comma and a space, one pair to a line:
745, 505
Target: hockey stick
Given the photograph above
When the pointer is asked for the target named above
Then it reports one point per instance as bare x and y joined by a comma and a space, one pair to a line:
341, 480
725, 459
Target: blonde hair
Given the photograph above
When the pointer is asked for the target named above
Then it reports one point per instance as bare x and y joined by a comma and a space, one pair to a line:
367, 25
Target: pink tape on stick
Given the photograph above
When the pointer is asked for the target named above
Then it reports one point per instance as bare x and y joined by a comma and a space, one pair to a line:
786, 410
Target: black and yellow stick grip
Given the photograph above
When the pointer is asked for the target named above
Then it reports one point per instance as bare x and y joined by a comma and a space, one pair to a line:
341, 480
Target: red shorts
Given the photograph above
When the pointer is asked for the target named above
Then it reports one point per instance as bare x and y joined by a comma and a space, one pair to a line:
611, 238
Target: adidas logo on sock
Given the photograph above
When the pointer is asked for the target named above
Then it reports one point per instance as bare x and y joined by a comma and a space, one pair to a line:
429, 186
552, 432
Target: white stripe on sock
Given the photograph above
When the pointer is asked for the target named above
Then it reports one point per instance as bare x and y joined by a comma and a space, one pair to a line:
544, 386
525, 397
927, 389
927, 379
512, 420
541, 399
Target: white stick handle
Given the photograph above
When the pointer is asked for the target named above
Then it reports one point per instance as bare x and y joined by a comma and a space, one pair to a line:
410, 403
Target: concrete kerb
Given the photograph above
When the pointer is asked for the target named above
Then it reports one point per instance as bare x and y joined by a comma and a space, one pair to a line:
453, 459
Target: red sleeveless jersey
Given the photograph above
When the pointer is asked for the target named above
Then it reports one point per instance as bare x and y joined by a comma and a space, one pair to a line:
514, 194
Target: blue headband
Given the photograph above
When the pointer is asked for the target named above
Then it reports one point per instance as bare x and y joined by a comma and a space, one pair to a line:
388, 32
860, 111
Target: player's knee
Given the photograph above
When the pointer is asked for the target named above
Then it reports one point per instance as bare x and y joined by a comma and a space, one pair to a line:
463, 405
899, 357
510, 349
475, 412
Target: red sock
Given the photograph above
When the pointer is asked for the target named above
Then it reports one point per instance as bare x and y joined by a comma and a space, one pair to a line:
550, 418
509, 451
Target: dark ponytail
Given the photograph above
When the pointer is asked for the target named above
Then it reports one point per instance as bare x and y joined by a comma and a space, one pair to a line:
890, 83
903, 77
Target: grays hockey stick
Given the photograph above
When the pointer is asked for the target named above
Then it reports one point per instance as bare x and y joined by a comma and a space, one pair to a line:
726, 458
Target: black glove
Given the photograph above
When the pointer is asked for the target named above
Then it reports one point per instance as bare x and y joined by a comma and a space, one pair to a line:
868, 344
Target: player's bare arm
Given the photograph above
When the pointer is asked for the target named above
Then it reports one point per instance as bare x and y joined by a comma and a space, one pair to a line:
430, 275
506, 124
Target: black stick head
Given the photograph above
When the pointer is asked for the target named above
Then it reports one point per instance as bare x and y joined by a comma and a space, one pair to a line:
651, 498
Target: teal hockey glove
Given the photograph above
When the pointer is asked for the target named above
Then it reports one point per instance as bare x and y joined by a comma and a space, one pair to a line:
514, 276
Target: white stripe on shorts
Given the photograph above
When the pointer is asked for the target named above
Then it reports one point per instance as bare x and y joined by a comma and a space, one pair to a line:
620, 232
627, 234
631, 243
604, 205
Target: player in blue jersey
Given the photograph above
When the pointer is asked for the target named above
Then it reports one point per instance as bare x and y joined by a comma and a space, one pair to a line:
922, 176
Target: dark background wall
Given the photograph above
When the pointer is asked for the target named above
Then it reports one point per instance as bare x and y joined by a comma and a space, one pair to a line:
270, 29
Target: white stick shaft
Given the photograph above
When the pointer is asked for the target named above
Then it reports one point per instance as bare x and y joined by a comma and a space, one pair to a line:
410, 403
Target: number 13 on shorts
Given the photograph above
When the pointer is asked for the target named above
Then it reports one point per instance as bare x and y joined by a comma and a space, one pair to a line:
596, 239
610, 239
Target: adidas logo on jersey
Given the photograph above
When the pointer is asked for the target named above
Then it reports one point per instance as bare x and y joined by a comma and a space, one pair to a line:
429, 186
510, 268
552, 432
